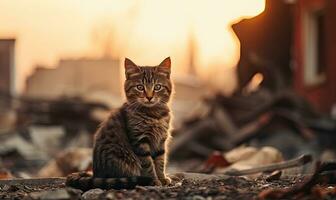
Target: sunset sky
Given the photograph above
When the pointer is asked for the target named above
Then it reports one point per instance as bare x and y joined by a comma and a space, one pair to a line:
145, 31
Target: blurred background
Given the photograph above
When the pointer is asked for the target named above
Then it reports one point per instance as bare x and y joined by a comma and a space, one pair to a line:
248, 74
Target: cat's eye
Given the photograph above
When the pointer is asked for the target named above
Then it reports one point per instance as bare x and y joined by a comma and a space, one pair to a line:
157, 87
140, 87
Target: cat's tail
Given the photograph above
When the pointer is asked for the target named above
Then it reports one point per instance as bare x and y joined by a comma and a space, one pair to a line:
85, 181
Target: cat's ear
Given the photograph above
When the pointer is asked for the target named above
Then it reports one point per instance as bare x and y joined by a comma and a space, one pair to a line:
164, 66
130, 68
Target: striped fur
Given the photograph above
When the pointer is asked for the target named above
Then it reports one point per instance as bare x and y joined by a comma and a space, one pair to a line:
130, 145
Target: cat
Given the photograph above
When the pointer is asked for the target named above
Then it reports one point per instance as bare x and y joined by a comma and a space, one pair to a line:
130, 146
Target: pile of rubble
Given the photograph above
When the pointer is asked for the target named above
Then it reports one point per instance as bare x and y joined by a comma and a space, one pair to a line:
261, 118
236, 146
49, 138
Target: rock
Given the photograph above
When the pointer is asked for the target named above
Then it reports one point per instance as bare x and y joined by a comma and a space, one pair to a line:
10, 188
75, 193
110, 196
93, 194
24, 148
47, 138
247, 158
273, 176
197, 197
59, 194
119, 195
173, 194
240, 153
222, 197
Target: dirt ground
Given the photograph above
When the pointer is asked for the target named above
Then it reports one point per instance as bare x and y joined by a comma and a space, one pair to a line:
192, 186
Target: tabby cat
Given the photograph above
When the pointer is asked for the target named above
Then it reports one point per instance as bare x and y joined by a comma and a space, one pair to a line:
130, 146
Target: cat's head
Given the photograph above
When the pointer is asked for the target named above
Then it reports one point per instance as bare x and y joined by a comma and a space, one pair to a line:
148, 86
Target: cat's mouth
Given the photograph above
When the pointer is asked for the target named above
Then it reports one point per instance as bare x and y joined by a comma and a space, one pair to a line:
149, 103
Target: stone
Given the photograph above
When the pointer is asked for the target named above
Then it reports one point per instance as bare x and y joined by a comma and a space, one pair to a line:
59, 194
93, 194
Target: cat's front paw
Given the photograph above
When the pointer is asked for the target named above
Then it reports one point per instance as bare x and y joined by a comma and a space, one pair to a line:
166, 181
157, 182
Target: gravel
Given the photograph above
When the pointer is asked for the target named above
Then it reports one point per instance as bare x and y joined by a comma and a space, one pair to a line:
191, 187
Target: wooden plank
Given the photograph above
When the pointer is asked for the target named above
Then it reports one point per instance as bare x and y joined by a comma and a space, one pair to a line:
302, 160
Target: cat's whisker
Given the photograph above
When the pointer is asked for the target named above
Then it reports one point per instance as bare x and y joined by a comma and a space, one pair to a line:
130, 146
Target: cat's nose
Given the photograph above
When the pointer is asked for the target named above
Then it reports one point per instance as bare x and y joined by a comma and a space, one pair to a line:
149, 98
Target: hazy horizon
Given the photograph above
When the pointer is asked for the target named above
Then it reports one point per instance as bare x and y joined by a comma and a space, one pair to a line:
145, 31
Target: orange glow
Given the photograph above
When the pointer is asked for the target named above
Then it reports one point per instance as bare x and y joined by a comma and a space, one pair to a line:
255, 82
146, 31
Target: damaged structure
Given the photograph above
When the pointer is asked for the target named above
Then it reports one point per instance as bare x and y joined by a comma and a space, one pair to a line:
86, 78
7, 82
278, 108
289, 49
292, 46
7, 65
270, 134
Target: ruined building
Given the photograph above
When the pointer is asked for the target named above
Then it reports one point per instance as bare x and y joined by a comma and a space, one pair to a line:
76, 78
7, 66
293, 45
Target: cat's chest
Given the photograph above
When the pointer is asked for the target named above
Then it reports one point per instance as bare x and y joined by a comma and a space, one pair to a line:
154, 129
143, 125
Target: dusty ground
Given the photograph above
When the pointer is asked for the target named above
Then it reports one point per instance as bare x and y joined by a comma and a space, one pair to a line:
192, 186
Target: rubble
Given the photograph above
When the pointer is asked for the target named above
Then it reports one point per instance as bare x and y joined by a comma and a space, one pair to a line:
73, 114
5, 174
241, 158
45, 148
284, 121
67, 162
43, 129
185, 186
21, 188
22, 146
307, 186
266, 112
7, 120
57, 194
258, 142
261, 120
262, 157
18, 155
48, 143
94, 194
